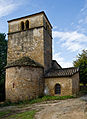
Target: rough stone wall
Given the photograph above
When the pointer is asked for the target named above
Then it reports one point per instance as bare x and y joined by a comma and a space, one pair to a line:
75, 83
34, 21
26, 43
23, 83
47, 45
65, 82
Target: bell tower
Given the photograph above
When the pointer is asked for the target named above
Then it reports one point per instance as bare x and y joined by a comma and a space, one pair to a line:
30, 36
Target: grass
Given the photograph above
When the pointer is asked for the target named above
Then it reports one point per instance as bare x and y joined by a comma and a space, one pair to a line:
48, 98
3, 113
23, 115
44, 98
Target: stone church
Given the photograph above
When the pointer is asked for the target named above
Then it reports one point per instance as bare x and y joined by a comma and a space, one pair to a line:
30, 70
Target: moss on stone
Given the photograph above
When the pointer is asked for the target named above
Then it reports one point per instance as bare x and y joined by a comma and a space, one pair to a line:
24, 61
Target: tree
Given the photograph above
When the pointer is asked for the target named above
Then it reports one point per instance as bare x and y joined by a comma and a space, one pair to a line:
81, 62
3, 57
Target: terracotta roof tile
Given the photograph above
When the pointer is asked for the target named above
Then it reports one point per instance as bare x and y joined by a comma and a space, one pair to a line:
64, 72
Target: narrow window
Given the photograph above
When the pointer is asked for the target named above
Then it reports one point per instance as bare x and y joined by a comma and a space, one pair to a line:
27, 24
22, 25
13, 85
57, 89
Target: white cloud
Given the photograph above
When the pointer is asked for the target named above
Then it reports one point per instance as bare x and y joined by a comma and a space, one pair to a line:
83, 20
80, 21
84, 7
55, 27
61, 60
73, 41
7, 6
72, 23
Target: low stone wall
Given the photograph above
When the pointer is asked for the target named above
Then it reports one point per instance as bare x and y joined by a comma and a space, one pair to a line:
23, 83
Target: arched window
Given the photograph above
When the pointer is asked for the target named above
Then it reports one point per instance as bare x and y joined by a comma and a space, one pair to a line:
22, 25
57, 89
27, 24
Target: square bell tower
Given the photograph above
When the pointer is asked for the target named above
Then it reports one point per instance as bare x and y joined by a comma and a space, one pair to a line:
30, 36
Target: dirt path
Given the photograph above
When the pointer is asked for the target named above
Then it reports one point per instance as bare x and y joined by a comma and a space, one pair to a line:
67, 109
64, 109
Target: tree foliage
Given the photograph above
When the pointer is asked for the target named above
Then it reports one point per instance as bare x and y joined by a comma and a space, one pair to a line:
81, 62
3, 57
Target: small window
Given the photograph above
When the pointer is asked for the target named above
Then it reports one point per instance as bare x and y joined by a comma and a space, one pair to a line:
27, 24
13, 85
57, 89
22, 25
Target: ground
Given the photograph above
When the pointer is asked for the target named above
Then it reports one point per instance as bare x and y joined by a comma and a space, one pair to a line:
65, 109
58, 109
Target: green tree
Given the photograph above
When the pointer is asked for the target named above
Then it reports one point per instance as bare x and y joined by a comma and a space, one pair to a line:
81, 62
3, 57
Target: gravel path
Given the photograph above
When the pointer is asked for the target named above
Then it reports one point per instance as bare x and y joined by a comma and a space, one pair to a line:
63, 109
67, 109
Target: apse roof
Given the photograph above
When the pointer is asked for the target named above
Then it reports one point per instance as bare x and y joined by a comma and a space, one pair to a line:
24, 61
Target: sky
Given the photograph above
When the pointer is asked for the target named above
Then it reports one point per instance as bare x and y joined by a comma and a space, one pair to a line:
68, 18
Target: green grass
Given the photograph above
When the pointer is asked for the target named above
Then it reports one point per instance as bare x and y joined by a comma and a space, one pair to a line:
23, 115
48, 98
3, 113
44, 98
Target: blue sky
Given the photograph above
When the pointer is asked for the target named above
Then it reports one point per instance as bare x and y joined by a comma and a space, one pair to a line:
68, 18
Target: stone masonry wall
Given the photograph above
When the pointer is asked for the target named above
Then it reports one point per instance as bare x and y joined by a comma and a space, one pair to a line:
48, 50
47, 45
75, 83
23, 83
66, 85
34, 21
26, 43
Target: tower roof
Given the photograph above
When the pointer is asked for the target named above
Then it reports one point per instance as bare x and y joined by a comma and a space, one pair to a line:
24, 61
